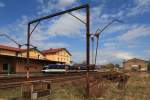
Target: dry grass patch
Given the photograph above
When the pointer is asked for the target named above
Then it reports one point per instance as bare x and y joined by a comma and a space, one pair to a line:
137, 88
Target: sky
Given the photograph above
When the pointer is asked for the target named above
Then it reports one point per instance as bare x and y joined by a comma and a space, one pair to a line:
119, 42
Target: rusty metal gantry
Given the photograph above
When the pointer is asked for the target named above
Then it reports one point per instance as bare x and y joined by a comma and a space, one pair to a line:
37, 21
97, 35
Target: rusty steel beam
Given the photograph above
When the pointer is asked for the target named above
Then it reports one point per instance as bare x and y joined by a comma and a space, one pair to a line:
88, 47
35, 27
59, 13
86, 6
77, 18
28, 47
98, 33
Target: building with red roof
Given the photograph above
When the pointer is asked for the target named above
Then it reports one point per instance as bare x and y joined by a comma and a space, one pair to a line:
14, 59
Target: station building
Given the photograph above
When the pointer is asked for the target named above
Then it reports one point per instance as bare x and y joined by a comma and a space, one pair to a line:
58, 54
135, 65
13, 60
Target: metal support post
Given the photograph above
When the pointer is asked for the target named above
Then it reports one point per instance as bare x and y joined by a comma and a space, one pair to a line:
87, 48
86, 6
8, 71
28, 47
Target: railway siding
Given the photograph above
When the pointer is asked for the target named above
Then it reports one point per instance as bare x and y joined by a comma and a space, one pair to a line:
112, 76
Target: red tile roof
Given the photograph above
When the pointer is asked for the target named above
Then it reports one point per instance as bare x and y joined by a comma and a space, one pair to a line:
54, 50
51, 50
9, 48
135, 59
29, 58
12, 48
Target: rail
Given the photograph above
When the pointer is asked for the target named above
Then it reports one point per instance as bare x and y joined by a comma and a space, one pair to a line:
112, 76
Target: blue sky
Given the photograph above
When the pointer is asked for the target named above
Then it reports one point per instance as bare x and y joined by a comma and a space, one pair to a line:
118, 42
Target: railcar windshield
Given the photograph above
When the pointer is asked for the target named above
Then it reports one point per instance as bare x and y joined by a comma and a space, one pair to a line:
83, 68
55, 66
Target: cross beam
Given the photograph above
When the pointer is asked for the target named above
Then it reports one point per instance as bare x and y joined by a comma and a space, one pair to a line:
86, 6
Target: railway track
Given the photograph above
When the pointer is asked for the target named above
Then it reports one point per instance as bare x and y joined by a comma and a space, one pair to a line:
44, 76
54, 78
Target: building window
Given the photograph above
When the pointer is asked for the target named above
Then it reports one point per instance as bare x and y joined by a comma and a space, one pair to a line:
17, 53
5, 67
38, 56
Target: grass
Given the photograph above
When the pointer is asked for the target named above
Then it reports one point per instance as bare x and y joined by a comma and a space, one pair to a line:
137, 88
66, 92
10, 94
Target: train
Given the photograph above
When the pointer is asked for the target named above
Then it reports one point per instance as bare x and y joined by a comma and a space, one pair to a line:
61, 68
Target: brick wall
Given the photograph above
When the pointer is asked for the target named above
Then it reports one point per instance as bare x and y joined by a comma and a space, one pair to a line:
35, 66
11, 62
128, 64
19, 64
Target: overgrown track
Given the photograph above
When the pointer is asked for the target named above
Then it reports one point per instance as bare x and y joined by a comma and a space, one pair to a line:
16, 81
44, 76
52, 80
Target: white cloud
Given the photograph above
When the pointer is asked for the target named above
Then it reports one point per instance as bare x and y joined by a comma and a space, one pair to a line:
40, 34
78, 56
113, 55
96, 11
42, 46
146, 55
135, 32
106, 55
99, 19
114, 15
7, 43
2, 5
64, 3
141, 6
124, 55
66, 25
47, 6
16, 30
